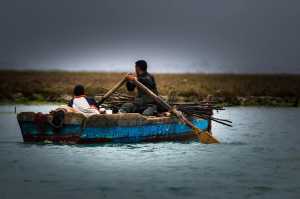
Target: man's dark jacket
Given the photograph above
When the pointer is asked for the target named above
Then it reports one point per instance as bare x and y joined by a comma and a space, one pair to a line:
142, 98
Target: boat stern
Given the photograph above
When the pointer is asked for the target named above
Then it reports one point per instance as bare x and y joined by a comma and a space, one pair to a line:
35, 127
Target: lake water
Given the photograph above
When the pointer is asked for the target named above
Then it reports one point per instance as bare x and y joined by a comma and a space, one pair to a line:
258, 158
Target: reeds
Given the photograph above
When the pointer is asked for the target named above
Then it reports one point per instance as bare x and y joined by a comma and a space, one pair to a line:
56, 85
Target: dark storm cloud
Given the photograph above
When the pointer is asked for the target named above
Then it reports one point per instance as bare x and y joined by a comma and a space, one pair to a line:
173, 35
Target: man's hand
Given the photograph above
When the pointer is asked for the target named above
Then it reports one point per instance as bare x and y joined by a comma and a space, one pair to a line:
131, 77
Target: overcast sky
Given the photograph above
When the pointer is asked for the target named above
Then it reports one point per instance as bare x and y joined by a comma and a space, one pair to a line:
237, 36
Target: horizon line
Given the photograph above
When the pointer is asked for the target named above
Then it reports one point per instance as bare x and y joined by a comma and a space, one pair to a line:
120, 72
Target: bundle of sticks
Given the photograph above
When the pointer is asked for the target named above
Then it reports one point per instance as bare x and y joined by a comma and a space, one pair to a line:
203, 109
115, 101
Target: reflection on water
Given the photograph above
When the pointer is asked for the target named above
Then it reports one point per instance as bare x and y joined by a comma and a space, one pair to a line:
258, 158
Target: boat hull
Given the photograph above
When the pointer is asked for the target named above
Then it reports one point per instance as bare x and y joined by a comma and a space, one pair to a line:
115, 128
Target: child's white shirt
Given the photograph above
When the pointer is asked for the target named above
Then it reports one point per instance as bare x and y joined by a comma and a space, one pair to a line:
80, 104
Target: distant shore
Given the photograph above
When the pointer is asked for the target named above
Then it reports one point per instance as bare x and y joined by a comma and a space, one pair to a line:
238, 101
35, 87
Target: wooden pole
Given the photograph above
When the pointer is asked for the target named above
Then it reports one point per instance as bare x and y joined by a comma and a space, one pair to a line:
112, 90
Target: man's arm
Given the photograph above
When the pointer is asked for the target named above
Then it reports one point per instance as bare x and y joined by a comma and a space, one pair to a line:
130, 86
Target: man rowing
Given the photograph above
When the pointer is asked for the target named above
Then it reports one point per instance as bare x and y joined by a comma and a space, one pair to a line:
142, 103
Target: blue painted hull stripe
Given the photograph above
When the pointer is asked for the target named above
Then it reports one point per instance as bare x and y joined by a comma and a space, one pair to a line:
118, 132
141, 131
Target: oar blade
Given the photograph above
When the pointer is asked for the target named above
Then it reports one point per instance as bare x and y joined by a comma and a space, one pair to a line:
205, 137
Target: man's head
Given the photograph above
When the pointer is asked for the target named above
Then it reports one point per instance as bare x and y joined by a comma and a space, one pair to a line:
78, 90
140, 67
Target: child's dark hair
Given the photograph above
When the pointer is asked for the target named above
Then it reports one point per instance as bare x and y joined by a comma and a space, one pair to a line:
142, 64
78, 90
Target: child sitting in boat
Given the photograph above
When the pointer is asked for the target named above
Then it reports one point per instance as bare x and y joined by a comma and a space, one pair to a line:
82, 104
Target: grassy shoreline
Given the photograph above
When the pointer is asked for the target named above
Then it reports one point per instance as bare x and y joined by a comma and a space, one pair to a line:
31, 87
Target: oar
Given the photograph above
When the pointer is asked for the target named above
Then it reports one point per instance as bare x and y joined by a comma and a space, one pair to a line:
111, 91
204, 137
212, 119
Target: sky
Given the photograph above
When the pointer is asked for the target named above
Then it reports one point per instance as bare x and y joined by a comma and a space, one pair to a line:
195, 36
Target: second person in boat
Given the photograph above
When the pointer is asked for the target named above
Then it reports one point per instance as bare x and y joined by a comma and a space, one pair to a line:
82, 104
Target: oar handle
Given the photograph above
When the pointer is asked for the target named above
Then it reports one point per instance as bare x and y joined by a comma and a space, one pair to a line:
112, 90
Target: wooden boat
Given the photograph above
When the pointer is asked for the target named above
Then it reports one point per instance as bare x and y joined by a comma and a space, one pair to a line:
117, 128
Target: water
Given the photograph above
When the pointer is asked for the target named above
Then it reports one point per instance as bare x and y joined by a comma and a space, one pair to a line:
258, 158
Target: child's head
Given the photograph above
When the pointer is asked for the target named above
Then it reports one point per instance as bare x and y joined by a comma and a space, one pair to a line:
78, 90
